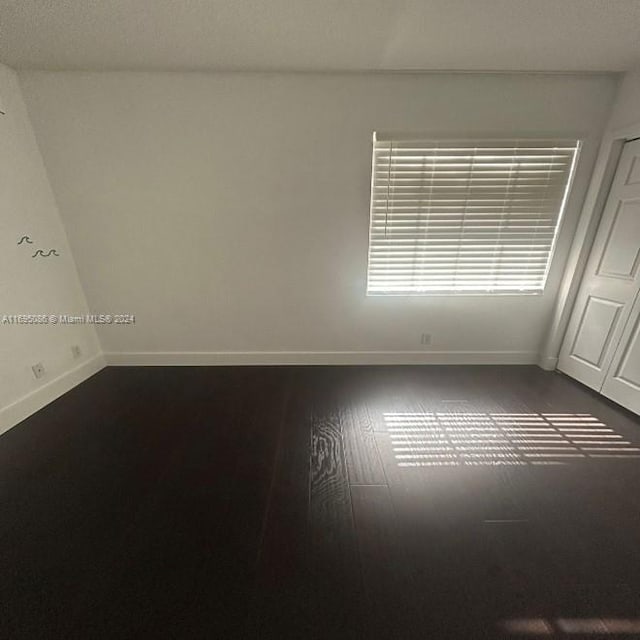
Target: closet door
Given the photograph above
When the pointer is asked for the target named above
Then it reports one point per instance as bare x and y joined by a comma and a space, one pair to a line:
622, 383
610, 284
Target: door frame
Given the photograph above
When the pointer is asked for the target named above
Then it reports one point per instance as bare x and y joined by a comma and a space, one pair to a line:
594, 203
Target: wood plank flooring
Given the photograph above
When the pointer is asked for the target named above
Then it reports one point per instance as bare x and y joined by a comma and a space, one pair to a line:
322, 502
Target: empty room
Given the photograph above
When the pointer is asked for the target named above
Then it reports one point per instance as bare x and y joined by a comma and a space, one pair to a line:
320, 319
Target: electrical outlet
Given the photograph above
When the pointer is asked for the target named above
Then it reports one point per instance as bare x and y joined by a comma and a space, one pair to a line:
38, 370
76, 350
425, 339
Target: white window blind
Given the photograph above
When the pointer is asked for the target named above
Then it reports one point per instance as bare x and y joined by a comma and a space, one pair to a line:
466, 217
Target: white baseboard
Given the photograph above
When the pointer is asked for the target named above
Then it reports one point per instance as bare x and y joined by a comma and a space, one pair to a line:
34, 401
256, 358
548, 363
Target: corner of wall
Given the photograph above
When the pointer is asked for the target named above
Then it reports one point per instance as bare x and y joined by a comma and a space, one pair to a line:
623, 112
30, 283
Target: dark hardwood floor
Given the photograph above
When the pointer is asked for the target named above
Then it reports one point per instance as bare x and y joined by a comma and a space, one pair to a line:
321, 503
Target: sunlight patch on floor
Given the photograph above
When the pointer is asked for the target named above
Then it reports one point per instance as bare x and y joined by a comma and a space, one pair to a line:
449, 439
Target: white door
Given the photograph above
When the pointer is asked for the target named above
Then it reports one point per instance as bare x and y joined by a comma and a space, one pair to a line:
609, 287
622, 383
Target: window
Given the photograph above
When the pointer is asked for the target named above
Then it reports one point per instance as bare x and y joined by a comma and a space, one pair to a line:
465, 217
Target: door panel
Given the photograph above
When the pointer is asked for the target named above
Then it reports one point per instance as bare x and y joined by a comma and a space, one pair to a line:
623, 382
621, 254
595, 330
610, 282
634, 172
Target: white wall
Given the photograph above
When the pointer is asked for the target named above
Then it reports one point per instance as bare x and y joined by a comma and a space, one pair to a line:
229, 212
33, 286
626, 110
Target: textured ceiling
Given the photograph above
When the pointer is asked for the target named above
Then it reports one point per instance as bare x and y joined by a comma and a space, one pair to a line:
321, 35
